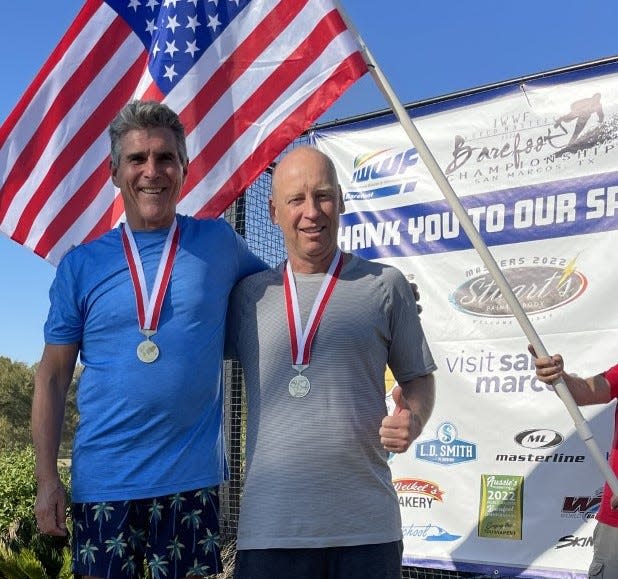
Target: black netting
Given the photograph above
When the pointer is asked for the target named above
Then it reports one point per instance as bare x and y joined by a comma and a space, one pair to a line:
250, 217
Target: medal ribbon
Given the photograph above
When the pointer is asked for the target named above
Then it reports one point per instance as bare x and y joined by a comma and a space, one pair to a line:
301, 341
149, 307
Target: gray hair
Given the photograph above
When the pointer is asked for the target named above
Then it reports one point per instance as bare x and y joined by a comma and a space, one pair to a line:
146, 115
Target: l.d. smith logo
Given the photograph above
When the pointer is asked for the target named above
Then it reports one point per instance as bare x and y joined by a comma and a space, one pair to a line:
446, 449
538, 288
382, 174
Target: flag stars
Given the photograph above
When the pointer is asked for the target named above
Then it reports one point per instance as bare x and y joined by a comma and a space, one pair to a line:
170, 73
135, 4
152, 4
155, 50
236, 1
150, 26
171, 48
192, 48
168, 3
194, 2
172, 23
193, 23
213, 22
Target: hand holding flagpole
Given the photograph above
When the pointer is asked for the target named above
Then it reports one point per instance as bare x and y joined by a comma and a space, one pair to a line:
477, 241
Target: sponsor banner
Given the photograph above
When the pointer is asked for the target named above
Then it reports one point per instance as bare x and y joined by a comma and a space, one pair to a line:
499, 481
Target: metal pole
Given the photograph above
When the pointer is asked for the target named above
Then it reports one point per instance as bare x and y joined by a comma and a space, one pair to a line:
477, 241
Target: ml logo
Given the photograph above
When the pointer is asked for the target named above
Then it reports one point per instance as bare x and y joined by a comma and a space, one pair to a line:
539, 438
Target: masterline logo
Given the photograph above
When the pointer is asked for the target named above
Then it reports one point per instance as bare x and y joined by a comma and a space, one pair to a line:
446, 449
539, 438
538, 288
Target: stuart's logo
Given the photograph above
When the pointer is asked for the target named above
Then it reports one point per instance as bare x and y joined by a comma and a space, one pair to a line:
538, 288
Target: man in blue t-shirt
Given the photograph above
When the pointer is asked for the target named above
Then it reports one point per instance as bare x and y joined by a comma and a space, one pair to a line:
144, 307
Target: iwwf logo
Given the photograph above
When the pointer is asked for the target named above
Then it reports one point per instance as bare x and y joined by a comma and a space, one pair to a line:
446, 449
582, 507
539, 438
538, 288
428, 532
382, 174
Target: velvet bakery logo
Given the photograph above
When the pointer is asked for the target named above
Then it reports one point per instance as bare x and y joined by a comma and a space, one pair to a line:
538, 288
417, 493
525, 141
382, 174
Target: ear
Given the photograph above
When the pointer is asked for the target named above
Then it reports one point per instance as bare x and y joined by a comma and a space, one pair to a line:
273, 211
113, 170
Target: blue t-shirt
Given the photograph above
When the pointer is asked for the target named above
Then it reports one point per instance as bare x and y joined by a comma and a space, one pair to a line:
147, 430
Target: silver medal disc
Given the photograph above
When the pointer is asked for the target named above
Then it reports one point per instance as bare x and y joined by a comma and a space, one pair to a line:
147, 351
299, 386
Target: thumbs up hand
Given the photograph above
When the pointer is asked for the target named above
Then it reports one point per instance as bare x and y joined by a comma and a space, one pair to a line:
400, 429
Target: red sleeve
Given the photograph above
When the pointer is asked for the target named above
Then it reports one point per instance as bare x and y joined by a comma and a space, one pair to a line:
612, 377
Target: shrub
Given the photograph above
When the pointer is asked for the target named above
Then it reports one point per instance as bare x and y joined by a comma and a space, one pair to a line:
21, 541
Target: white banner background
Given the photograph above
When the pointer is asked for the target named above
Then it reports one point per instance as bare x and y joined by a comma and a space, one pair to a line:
535, 164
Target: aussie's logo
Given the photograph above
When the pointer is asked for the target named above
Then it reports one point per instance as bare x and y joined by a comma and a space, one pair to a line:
382, 174
538, 288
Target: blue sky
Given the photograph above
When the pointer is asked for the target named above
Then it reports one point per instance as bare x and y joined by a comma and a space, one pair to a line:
426, 49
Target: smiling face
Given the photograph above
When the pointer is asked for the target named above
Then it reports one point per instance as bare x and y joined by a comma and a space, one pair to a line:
149, 175
306, 203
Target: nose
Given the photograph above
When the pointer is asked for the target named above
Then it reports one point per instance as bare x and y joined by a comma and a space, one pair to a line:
150, 168
312, 208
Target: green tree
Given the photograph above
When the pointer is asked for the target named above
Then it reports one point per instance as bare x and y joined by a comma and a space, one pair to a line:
16, 389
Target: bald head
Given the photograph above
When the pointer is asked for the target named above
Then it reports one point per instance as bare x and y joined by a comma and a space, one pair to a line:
300, 159
306, 202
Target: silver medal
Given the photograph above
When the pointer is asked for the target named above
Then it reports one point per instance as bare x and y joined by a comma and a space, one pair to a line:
147, 351
299, 386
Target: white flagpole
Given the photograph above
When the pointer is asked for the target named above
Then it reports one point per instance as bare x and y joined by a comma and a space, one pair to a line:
477, 241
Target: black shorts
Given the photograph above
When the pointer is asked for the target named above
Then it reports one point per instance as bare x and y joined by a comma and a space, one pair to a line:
381, 561
174, 536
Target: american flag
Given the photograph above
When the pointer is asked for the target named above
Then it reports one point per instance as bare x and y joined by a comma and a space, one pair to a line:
245, 76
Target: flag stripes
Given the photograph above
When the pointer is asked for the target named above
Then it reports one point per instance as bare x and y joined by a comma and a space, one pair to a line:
262, 80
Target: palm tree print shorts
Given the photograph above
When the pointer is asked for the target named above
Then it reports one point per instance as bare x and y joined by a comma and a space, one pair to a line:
173, 536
